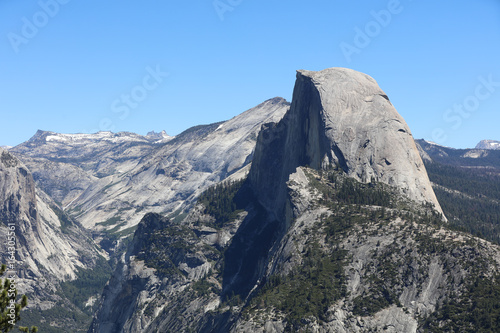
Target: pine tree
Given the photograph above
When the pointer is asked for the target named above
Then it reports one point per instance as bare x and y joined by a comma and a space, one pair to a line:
9, 308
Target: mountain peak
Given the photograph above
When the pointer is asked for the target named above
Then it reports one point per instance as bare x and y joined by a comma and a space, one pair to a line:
341, 117
161, 136
338, 75
488, 144
153, 133
277, 100
40, 136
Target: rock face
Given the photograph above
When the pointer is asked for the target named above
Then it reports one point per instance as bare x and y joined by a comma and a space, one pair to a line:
488, 144
336, 268
339, 117
38, 228
137, 294
108, 180
50, 248
163, 136
66, 165
323, 236
326, 234
17, 191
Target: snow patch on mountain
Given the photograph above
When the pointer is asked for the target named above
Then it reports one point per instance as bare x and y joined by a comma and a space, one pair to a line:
488, 144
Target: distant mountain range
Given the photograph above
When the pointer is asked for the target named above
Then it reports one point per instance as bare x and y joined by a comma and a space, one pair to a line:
109, 181
467, 185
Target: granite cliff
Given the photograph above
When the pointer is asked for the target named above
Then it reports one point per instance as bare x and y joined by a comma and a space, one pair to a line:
339, 117
335, 229
109, 181
50, 248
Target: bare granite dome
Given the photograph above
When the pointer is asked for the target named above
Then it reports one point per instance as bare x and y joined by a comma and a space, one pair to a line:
340, 116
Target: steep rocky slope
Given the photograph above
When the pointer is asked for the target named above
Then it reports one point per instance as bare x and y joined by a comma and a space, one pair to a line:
50, 248
356, 258
171, 177
325, 235
65, 165
110, 181
339, 116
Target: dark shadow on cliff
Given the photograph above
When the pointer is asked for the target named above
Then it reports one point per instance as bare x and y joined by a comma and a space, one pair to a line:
246, 257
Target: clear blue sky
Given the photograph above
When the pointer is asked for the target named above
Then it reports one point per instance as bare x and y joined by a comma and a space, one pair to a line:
69, 68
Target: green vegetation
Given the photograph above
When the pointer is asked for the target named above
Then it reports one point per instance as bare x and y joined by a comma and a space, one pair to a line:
336, 187
61, 318
410, 240
203, 288
476, 310
10, 309
219, 202
476, 182
63, 218
70, 313
112, 235
472, 201
116, 228
350, 191
356, 210
89, 282
128, 232
111, 221
166, 247
177, 216
308, 291
384, 282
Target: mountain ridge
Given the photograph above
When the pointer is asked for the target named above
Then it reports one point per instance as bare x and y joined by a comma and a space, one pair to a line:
51, 249
328, 251
104, 181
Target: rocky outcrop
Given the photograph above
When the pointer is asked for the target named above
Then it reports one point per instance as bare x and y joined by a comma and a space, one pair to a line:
17, 191
359, 269
38, 228
398, 272
105, 180
50, 248
339, 117
488, 144
160, 284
